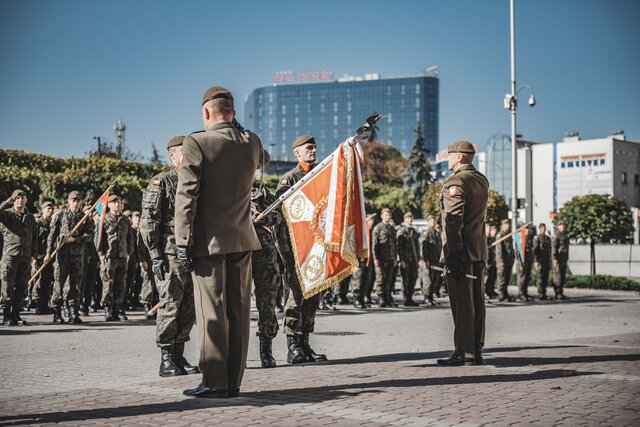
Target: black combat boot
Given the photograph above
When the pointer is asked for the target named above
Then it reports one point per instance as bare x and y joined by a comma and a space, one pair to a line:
359, 303
121, 314
308, 351
168, 367
30, 304
266, 356
382, 301
108, 313
185, 367
17, 318
75, 316
67, 312
390, 300
85, 309
57, 315
428, 300
295, 355
7, 317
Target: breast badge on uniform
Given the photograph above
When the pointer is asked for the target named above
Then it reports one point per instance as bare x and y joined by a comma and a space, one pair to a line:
156, 181
453, 190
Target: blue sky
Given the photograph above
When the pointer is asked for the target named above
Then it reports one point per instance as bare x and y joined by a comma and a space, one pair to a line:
69, 69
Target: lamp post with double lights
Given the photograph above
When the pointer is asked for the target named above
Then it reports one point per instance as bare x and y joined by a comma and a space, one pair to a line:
511, 104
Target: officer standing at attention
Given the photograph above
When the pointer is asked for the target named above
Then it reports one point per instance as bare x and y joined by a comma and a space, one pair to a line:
463, 202
408, 254
430, 250
113, 251
384, 258
266, 277
215, 237
542, 254
20, 243
504, 260
560, 255
69, 262
361, 278
41, 292
176, 312
299, 313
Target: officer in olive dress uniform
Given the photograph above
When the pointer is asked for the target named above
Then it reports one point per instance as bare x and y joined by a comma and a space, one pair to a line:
408, 254
385, 254
463, 203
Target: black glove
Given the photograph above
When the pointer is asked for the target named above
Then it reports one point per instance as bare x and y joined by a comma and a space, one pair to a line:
453, 263
184, 256
160, 267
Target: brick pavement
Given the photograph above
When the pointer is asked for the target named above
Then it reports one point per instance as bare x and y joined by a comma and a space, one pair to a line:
539, 370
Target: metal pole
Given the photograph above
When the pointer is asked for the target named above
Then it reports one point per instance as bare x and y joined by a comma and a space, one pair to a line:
514, 107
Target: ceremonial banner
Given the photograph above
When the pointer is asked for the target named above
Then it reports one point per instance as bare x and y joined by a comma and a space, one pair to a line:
520, 237
101, 208
326, 222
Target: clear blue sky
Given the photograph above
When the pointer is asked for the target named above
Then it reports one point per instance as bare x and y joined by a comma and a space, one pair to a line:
70, 68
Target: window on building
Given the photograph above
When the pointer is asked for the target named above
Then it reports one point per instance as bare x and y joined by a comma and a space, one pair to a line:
335, 120
623, 177
335, 107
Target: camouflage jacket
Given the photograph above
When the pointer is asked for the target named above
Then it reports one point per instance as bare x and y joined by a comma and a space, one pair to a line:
61, 225
504, 250
44, 227
261, 198
560, 246
280, 230
116, 238
542, 249
431, 246
157, 225
407, 241
384, 242
20, 232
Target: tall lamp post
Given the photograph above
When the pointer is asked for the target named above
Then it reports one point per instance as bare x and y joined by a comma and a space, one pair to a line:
511, 104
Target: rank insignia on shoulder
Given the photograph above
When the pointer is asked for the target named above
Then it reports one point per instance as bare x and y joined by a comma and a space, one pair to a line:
453, 190
156, 181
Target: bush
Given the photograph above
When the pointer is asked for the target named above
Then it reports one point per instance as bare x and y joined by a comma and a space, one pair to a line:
612, 283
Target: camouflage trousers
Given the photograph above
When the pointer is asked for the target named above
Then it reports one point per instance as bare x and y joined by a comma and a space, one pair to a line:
14, 274
42, 286
89, 288
67, 275
543, 279
503, 278
114, 274
409, 278
299, 313
176, 312
148, 289
385, 278
360, 280
431, 280
266, 280
560, 274
524, 276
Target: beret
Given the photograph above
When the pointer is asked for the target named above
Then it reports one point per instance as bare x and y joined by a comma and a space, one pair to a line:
113, 198
176, 141
407, 214
302, 140
18, 192
430, 217
461, 147
216, 92
47, 203
74, 195
562, 222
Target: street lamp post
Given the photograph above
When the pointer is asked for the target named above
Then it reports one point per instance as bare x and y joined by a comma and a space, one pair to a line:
511, 103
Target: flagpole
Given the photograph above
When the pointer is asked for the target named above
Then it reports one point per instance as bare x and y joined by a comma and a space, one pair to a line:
366, 127
506, 236
84, 218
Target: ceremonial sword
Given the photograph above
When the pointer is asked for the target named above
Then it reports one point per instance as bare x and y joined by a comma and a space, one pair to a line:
445, 271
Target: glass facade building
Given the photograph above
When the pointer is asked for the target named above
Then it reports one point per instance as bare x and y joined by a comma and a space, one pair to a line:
333, 111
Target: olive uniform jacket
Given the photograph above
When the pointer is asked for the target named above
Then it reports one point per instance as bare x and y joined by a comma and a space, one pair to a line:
213, 199
463, 203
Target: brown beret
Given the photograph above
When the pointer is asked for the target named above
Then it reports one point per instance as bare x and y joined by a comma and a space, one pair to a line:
75, 195
430, 217
461, 147
17, 193
387, 210
562, 222
176, 141
47, 203
113, 198
216, 92
408, 214
304, 139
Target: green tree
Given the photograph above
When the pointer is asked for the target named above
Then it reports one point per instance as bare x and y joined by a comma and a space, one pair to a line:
596, 218
417, 176
383, 163
379, 195
431, 200
497, 208
156, 158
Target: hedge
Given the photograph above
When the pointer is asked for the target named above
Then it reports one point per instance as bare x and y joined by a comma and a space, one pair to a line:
613, 283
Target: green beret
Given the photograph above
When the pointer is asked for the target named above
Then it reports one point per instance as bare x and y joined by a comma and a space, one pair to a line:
302, 140
216, 92
74, 195
176, 141
113, 198
47, 203
461, 147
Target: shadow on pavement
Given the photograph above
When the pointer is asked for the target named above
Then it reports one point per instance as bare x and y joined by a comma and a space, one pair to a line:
277, 397
537, 361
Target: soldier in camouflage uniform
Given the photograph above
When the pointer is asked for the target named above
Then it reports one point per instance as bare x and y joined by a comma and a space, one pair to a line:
542, 258
69, 262
408, 254
384, 258
299, 313
113, 250
525, 265
91, 267
491, 273
361, 278
176, 312
560, 255
20, 243
41, 286
266, 277
504, 260
430, 249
